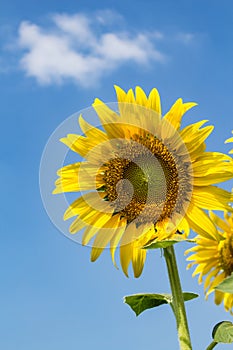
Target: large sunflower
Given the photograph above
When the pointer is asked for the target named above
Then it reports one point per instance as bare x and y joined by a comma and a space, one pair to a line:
147, 178
214, 259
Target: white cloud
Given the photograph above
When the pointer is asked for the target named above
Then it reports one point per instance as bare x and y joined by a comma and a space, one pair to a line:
77, 26
106, 17
157, 35
185, 38
81, 48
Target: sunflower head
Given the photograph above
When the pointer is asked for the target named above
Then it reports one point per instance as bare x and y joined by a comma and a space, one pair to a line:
214, 259
144, 178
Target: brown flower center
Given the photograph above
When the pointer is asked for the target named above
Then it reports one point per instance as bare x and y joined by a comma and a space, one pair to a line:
142, 181
226, 255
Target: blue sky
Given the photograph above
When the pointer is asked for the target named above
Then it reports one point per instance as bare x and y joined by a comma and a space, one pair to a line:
51, 296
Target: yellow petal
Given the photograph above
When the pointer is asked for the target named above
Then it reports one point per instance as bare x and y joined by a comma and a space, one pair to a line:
229, 140
200, 222
126, 252
141, 98
121, 94
92, 132
117, 237
78, 177
130, 97
212, 274
228, 302
109, 119
213, 156
211, 179
100, 220
191, 129
202, 168
104, 236
175, 114
223, 225
77, 225
183, 227
138, 260
76, 143
212, 198
85, 204
218, 279
195, 140
75, 208
121, 98
126, 248
188, 105
154, 101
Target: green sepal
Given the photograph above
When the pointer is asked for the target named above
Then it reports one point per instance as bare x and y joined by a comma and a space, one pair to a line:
166, 243
226, 286
142, 302
223, 332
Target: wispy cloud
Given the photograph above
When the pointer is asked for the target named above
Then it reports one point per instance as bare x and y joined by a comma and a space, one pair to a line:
83, 48
185, 38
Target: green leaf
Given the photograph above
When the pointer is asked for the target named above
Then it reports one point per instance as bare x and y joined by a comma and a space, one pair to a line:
189, 296
226, 285
166, 243
223, 332
142, 302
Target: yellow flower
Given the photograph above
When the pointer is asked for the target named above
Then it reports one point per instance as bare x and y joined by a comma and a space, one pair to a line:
214, 259
147, 178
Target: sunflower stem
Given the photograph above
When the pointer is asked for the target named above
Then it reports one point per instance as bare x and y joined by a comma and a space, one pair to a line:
212, 345
177, 299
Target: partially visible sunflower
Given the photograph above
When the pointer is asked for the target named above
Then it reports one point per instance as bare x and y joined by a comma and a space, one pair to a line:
148, 178
214, 259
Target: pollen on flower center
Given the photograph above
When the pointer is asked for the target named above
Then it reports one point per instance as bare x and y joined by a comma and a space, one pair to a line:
152, 174
148, 173
226, 255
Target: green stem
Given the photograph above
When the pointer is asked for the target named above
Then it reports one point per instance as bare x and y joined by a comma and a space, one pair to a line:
212, 345
177, 299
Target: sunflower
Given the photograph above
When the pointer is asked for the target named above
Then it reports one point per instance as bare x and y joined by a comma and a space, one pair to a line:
145, 177
214, 259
